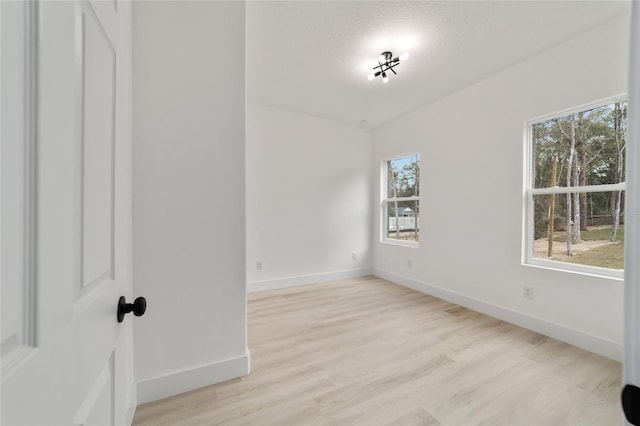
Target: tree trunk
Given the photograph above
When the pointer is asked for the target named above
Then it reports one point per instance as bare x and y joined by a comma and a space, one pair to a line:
394, 176
578, 146
617, 123
552, 207
584, 206
576, 207
568, 224
580, 175
616, 217
416, 206
572, 150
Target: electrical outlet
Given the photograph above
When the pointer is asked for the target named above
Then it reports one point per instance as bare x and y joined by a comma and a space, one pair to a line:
409, 263
354, 256
259, 265
527, 292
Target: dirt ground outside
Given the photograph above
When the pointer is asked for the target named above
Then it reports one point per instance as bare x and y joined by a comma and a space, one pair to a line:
559, 249
405, 236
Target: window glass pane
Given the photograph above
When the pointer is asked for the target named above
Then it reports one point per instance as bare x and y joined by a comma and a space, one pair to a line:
596, 228
403, 176
402, 220
585, 148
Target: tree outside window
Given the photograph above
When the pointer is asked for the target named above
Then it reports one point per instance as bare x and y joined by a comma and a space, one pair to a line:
401, 200
575, 189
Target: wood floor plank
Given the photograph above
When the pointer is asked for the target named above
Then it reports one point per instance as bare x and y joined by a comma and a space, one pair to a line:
365, 351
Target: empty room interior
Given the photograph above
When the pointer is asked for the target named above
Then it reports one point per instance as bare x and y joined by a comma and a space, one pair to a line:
346, 213
355, 313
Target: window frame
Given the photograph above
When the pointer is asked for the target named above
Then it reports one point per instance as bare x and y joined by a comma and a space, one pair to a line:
527, 258
384, 217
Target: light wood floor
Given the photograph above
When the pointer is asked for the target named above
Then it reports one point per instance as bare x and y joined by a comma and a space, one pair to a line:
368, 352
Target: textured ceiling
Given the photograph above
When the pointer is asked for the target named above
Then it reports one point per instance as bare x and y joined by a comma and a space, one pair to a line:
314, 57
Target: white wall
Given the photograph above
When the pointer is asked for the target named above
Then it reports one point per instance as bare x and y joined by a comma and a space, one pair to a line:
189, 137
471, 150
308, 198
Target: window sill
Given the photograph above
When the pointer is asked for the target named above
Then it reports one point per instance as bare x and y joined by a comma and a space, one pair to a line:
572, 268
409, 244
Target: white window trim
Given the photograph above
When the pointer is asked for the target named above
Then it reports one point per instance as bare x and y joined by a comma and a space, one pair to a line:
527, 200
384, 220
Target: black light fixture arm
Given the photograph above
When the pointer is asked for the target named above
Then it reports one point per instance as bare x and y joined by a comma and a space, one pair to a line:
386, 66
386, 62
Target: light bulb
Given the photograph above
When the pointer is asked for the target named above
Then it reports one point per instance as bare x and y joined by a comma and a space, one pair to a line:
385, 79
371, 77
404, 56
382, 59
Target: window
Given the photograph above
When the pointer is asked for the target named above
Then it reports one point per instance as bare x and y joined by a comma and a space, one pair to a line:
575, 186
400, 200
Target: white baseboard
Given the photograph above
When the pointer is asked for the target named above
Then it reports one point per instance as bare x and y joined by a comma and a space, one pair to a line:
306, 279
566, 334
192, 378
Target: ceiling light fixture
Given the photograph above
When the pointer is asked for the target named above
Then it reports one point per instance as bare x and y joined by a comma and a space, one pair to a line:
386, 62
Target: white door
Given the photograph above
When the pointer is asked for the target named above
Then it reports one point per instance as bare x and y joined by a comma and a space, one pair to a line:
631, 380
66, 212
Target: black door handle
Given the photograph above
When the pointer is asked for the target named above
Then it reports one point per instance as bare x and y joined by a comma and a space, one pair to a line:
138, 307
631, 404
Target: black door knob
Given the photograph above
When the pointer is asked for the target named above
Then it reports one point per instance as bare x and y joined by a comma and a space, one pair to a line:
138, 307
631, 404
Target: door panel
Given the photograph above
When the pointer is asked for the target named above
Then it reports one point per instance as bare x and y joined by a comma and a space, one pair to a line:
17, 177
70, 374
98, 101
98, 404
